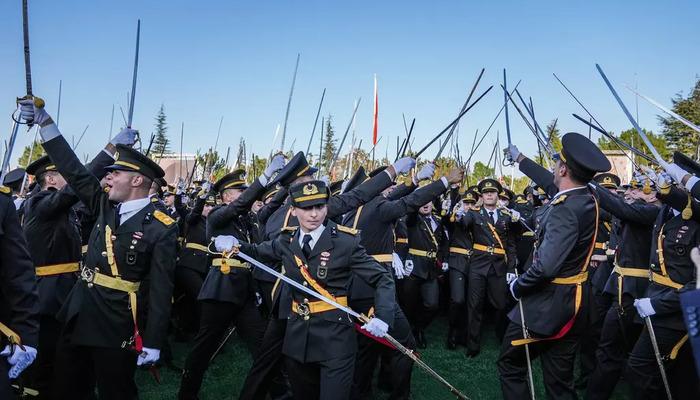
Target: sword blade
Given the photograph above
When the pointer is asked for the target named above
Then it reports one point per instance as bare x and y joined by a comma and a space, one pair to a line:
136, 70
657, 354
505, 100
345, 135
27, 62
666, 110
634, 123
289, 104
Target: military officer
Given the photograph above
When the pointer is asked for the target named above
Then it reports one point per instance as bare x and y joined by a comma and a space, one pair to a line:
19, 302
555, 285
116, 317
319, 343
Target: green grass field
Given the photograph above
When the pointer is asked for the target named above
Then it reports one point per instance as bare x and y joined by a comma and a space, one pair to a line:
477, 378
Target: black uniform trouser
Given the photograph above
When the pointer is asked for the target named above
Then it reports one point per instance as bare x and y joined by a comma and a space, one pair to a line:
421, 300
264, 289
482, 286
38, 376
618, 335
643, 372
267, 363
79, 368
369, 351
323, 380
5, 388
458, 299
217, 316
189, 282
556, 356
590, 339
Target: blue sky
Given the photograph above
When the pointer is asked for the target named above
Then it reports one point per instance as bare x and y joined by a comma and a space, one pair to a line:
205, 59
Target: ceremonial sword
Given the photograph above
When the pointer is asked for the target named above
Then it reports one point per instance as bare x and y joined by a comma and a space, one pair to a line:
313, 131
667, 111
363, 318
657, 354
634, 123
342, 142
133, 80
505, 100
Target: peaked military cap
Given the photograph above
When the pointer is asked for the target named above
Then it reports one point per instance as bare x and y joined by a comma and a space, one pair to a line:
582, 156
14, 178
40, 166
607, 180
295, 168
686, 163
489, 185
128, 159
359, 177
210, 200
520, 199
232, 180
506, 194
474, 188
270, 192
309, 194
169, 190
470, 196
335, 187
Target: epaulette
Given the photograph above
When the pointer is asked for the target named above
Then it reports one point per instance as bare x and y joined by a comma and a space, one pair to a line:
290, 229
559, 200
154, 199
346, 229
163, 218
477, 209
5, 190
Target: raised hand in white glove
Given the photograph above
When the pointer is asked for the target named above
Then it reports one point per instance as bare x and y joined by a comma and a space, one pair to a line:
408, 267
225, 243
650, 173
18, 358
376, 327
127, 136
32, 114
397, 264
180, 186
206, 187
445, 267
276, 164
676, 172
510, 277
426, 172
148, 357
644, 307
514, 215
512, 153
403, 165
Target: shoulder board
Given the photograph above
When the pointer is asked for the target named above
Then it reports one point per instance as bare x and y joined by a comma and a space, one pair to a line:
346, 229
163, 218
5, 190
477, 209
154, 199
559, 200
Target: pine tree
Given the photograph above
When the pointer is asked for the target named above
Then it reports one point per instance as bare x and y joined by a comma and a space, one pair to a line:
160, 141
679, 136
329, 148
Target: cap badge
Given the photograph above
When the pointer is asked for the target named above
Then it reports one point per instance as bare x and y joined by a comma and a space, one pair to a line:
309, 189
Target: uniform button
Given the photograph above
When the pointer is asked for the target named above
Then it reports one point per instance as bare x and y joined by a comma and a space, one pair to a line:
693, 324
104, 254
690, 309
694, 332
306, 300
306, 284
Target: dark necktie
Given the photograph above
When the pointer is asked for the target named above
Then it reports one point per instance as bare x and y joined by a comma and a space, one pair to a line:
306, 249
491, 216
117, 216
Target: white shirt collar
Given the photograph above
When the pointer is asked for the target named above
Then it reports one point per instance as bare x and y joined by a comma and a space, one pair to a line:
567, 190
315, 235
129, 208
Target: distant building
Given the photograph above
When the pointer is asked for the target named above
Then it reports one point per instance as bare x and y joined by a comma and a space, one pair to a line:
172, 164
621, 164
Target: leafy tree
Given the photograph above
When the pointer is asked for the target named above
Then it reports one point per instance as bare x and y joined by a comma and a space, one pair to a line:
679, 136
631, 137
256, 167
329, 147
210, 165
160, 141
479, 172
38, 152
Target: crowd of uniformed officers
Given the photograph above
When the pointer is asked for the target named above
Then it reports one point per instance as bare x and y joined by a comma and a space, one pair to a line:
104, 264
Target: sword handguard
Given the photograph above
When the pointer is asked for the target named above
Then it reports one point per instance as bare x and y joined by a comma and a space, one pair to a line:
38, 101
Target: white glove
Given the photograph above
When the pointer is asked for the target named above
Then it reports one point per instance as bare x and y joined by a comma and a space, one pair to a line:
403, 165
512, 293
180, 186
32, 114
676, 172
206, 187
148, 357
225, 243
409, 267
644, 307
275, 165
446, 204
376, 327
343, 186
326, 180
515, 215
127, 136
648, 172
512, 153
510, 277
426, 172
397, 264
19, 359
445, 267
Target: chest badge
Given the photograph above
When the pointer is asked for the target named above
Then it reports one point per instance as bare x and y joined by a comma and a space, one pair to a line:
131, 257
322, 271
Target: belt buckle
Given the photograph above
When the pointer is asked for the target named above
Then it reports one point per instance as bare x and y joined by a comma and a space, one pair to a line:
88, 275
303, 310
490, 250
430, 254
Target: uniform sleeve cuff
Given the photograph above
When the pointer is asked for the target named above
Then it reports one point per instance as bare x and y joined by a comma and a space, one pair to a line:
49, 132
263, 180
691, 182
512, 289
444, 182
